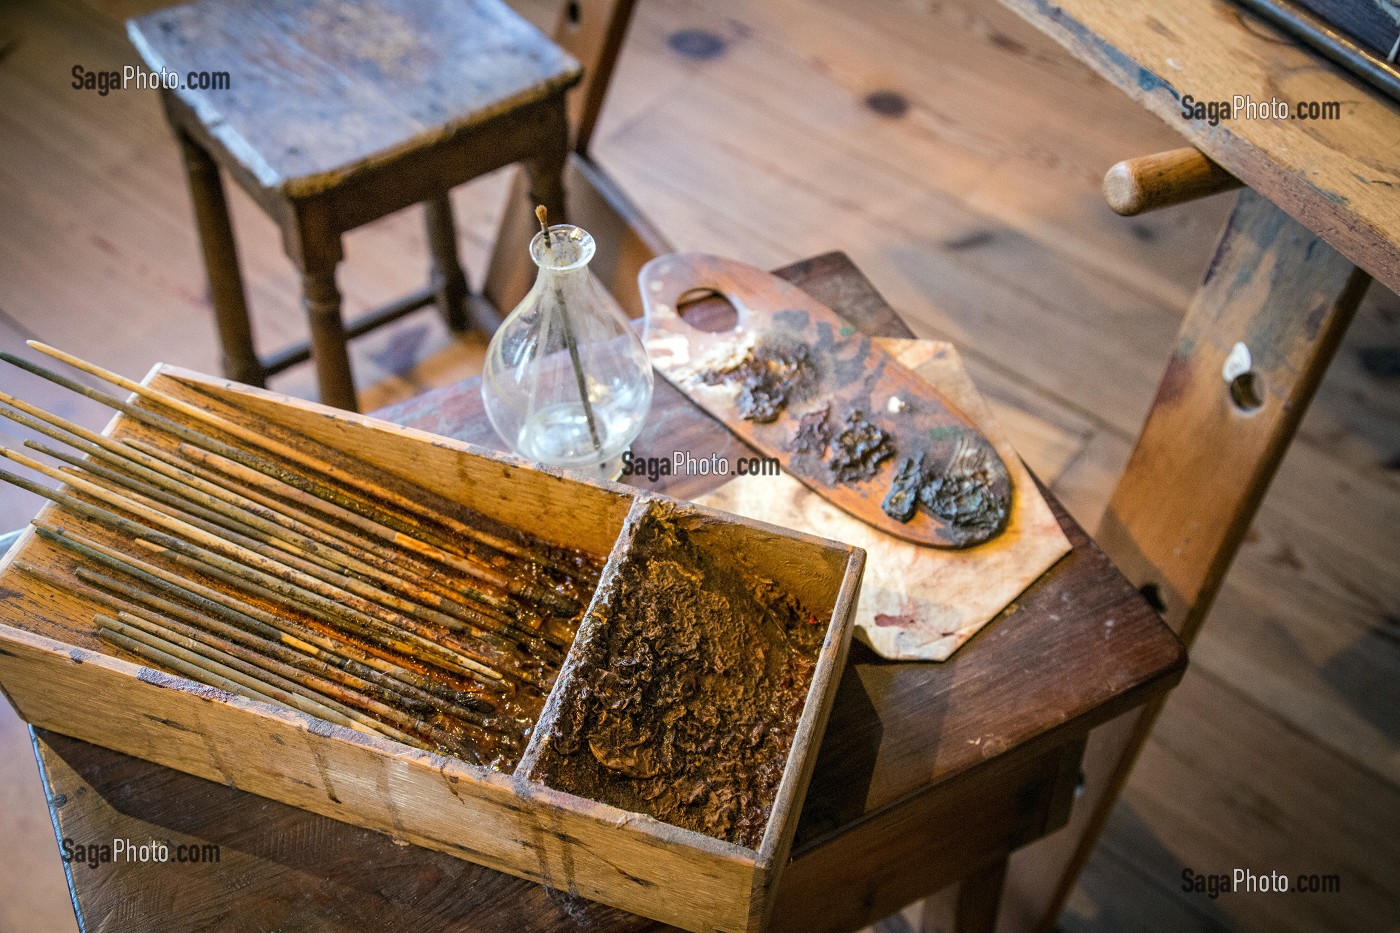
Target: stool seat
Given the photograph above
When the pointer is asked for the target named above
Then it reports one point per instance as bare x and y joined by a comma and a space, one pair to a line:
319, 89
332, 114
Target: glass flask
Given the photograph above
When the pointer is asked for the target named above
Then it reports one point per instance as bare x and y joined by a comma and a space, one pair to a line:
567, 380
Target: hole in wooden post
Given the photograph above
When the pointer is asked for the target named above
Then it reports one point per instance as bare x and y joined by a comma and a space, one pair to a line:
572, 12
1247, 391
1153, 594
708, 310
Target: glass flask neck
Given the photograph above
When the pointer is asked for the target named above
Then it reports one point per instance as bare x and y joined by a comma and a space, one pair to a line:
563, 248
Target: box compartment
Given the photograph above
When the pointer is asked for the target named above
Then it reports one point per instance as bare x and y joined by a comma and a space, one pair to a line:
61, 677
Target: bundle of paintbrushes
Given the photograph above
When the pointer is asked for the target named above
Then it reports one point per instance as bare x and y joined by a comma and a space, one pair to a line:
285, 570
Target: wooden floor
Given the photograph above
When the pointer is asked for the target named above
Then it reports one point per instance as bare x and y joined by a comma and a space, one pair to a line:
955, 154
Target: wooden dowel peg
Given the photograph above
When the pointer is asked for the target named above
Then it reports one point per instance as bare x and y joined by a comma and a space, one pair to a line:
1164, 179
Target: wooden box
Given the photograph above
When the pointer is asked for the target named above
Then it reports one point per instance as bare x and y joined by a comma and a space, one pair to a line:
59, 676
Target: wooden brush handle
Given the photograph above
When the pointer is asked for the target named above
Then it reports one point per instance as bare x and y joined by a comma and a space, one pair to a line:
1163, 179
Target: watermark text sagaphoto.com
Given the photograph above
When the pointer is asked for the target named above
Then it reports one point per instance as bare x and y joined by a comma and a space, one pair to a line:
132, 77
685, 463
1245, 107
131, 852
1246, 881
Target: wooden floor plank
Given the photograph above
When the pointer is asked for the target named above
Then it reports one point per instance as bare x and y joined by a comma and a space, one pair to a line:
1306, 624
1047, 181
1087, 483
950, 128
1000, 294
33, 892
17, 507
1307, 813
1157, 902
1356, 417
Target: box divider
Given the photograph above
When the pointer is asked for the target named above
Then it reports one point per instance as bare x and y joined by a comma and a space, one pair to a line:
592, 626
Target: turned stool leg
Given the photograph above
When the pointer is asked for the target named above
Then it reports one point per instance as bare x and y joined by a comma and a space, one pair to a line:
547, 187
328, 350
240, 360
448, 279
509, 272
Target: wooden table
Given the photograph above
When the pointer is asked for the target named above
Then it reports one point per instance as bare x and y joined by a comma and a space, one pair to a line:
929, 774
1319, 218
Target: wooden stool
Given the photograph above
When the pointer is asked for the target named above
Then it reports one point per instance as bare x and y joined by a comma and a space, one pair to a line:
332, 114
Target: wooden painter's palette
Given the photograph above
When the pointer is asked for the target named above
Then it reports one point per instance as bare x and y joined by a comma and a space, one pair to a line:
797, 382
920, 603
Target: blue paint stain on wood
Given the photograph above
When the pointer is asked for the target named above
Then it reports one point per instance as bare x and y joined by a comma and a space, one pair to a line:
1147, 81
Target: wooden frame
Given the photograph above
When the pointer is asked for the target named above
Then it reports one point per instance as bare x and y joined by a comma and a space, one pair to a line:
1290, 269
1200, 469
55, 673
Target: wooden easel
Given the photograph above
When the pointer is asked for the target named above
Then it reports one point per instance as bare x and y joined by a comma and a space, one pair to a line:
1287, 275
1256, 341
